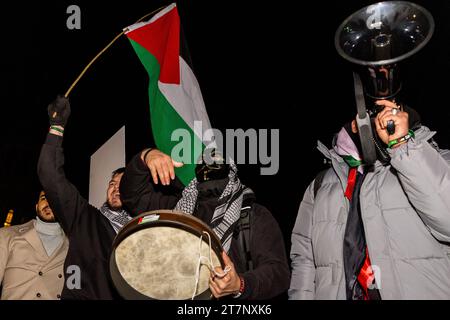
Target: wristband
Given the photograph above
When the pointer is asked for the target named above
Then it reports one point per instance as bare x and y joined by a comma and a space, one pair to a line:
145, 155
56, 131
395, 142
60, 130
241, 288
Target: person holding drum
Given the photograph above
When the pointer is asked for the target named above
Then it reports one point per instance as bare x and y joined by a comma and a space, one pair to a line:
255, 262
91, 231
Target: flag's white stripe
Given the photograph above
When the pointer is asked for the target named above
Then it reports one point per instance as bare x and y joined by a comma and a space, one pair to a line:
153, 19
186, 98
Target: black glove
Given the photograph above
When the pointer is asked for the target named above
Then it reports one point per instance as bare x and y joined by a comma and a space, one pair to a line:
59, 111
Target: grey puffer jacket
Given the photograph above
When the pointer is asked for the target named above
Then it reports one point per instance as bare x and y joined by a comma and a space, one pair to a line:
405, 208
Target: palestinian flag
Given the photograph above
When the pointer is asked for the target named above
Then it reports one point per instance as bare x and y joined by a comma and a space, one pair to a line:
174, 93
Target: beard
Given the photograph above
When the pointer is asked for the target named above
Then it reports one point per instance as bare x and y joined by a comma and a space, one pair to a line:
114, 202
46, 215
114, 205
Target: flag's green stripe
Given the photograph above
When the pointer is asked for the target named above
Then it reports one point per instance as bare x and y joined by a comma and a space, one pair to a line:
164, 118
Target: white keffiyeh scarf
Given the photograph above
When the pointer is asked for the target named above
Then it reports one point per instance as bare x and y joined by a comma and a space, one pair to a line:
227, 213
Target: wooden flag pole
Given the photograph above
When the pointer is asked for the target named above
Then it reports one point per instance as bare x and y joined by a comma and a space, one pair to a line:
66, 95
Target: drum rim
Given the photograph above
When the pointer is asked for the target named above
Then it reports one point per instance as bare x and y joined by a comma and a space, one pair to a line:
128, 227
133, 226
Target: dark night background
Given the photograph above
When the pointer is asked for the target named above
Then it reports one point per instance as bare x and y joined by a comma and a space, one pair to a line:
260, 65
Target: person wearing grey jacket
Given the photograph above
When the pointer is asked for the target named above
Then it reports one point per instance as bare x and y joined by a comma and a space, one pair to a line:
378, 233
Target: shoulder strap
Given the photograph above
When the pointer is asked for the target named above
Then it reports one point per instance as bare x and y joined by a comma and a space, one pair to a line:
244, 234
318, 181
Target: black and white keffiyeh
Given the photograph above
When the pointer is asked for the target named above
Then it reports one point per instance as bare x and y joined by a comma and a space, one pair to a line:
117, 218
227, 213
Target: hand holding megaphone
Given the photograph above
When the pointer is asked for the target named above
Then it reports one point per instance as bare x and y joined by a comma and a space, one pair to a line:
391, 114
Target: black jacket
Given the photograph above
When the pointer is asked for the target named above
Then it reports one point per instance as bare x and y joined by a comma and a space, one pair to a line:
270, 276
90, 233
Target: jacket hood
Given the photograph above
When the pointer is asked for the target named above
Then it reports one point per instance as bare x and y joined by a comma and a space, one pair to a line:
421, 134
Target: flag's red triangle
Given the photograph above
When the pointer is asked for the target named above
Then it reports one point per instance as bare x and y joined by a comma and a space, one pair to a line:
162, 39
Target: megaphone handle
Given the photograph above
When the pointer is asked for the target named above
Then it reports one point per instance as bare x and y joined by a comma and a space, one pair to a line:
390, 128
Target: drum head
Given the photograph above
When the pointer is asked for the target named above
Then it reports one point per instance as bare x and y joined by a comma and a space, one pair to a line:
156, 256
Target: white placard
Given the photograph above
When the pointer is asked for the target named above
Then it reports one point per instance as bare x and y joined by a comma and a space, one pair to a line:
104, 161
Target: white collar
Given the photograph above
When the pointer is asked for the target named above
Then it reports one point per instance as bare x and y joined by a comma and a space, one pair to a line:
47, 228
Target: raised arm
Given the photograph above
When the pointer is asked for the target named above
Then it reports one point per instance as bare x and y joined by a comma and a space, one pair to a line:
425, 176
64, 199
149, 183
424, 172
